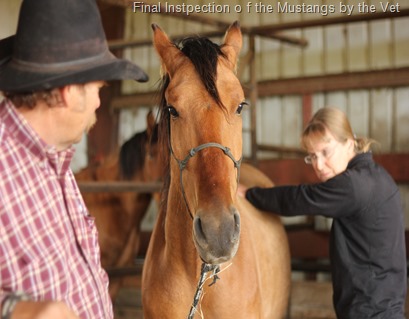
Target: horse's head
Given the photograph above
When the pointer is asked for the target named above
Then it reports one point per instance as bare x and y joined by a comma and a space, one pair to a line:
200, 117
139, 156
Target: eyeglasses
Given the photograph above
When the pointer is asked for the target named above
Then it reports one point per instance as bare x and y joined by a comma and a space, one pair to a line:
325, 154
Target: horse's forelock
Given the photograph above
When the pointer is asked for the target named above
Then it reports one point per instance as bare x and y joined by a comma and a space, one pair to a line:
204, 55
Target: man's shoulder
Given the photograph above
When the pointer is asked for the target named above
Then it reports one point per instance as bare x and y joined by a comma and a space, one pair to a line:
4, 114
3, 139
2, 132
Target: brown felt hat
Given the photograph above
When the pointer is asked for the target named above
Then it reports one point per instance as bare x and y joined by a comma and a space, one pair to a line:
60, 42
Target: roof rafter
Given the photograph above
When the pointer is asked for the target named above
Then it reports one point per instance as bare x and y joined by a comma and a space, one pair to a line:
265, 29
220, 24
302, 85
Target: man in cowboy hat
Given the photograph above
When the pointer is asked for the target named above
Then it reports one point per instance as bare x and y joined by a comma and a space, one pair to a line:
51, 72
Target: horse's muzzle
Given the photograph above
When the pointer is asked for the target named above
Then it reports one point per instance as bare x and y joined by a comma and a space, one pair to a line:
217, 235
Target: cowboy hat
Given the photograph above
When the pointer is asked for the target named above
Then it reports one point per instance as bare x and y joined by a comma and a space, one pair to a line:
59, 42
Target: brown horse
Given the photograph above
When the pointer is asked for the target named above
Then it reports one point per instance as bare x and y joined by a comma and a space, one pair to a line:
203, 224
118, 215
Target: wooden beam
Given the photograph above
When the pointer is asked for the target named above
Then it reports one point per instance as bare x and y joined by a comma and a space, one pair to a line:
244, 61
156, 7
295, 171
313, 244
336, 82
280, 171
308, 244
253, 98
396, 164
341, 19
302, 85
281, 149
149, 99
306, 109
120, 186
103, 138
121, 44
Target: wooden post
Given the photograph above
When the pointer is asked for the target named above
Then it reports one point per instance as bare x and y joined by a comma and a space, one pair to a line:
103, 138
306, 109
306, 116
253, 99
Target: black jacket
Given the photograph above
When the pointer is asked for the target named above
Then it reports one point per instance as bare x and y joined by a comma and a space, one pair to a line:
367, 248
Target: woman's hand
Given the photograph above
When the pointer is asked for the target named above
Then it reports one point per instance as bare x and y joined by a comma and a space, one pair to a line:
241, 190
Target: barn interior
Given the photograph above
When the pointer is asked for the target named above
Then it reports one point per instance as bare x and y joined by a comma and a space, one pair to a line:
297, 57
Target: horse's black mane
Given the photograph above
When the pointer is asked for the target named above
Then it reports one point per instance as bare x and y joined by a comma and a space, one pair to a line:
132, 153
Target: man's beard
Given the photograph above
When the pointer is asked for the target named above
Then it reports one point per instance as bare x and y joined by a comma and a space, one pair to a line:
91, 123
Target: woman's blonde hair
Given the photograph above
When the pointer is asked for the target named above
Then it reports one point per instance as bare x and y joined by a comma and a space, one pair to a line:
336, 122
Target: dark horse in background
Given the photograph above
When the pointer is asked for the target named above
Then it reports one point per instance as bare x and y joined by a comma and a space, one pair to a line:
202, 221
118, 215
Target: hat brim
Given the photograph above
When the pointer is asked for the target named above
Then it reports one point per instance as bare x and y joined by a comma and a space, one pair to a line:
6, 49
15, 77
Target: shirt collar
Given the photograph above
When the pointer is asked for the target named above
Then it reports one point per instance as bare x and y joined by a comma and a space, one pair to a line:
24, 134
360, 158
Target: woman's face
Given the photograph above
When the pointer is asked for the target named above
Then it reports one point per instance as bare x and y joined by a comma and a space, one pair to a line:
329, 157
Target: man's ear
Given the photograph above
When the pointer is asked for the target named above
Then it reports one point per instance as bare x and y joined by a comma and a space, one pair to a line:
63, 95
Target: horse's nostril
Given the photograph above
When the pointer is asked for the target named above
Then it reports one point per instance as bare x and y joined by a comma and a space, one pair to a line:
198, 227
237, 220
236, 233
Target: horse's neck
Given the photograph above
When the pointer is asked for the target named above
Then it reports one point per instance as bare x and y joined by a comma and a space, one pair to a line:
178, 223
178, 230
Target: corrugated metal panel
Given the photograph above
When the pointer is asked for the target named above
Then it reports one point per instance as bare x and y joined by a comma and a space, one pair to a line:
401, 121
381, 125
382, 114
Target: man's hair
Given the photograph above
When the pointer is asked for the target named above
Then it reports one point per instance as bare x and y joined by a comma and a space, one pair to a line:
30, 99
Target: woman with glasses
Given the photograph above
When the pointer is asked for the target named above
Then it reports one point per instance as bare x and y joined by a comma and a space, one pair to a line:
367, 245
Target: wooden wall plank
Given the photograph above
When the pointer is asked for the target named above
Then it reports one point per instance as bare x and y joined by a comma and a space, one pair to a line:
295, 171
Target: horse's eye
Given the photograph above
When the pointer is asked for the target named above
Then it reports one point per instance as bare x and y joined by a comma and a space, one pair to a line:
172, 111
240, 108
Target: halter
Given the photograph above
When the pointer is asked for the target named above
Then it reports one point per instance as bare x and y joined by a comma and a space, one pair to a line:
183, 163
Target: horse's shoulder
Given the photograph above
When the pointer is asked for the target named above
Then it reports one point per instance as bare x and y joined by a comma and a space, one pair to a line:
250, 176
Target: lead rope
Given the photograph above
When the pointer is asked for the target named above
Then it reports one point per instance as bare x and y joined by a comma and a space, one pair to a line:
206, 268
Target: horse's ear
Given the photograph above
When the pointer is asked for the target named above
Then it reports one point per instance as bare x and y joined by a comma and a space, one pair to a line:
150, 122
232, 43
170, 55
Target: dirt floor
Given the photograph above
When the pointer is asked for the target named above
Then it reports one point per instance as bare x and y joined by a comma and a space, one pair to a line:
309, 300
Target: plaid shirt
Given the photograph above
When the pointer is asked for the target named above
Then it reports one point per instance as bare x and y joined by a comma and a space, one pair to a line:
48, 242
